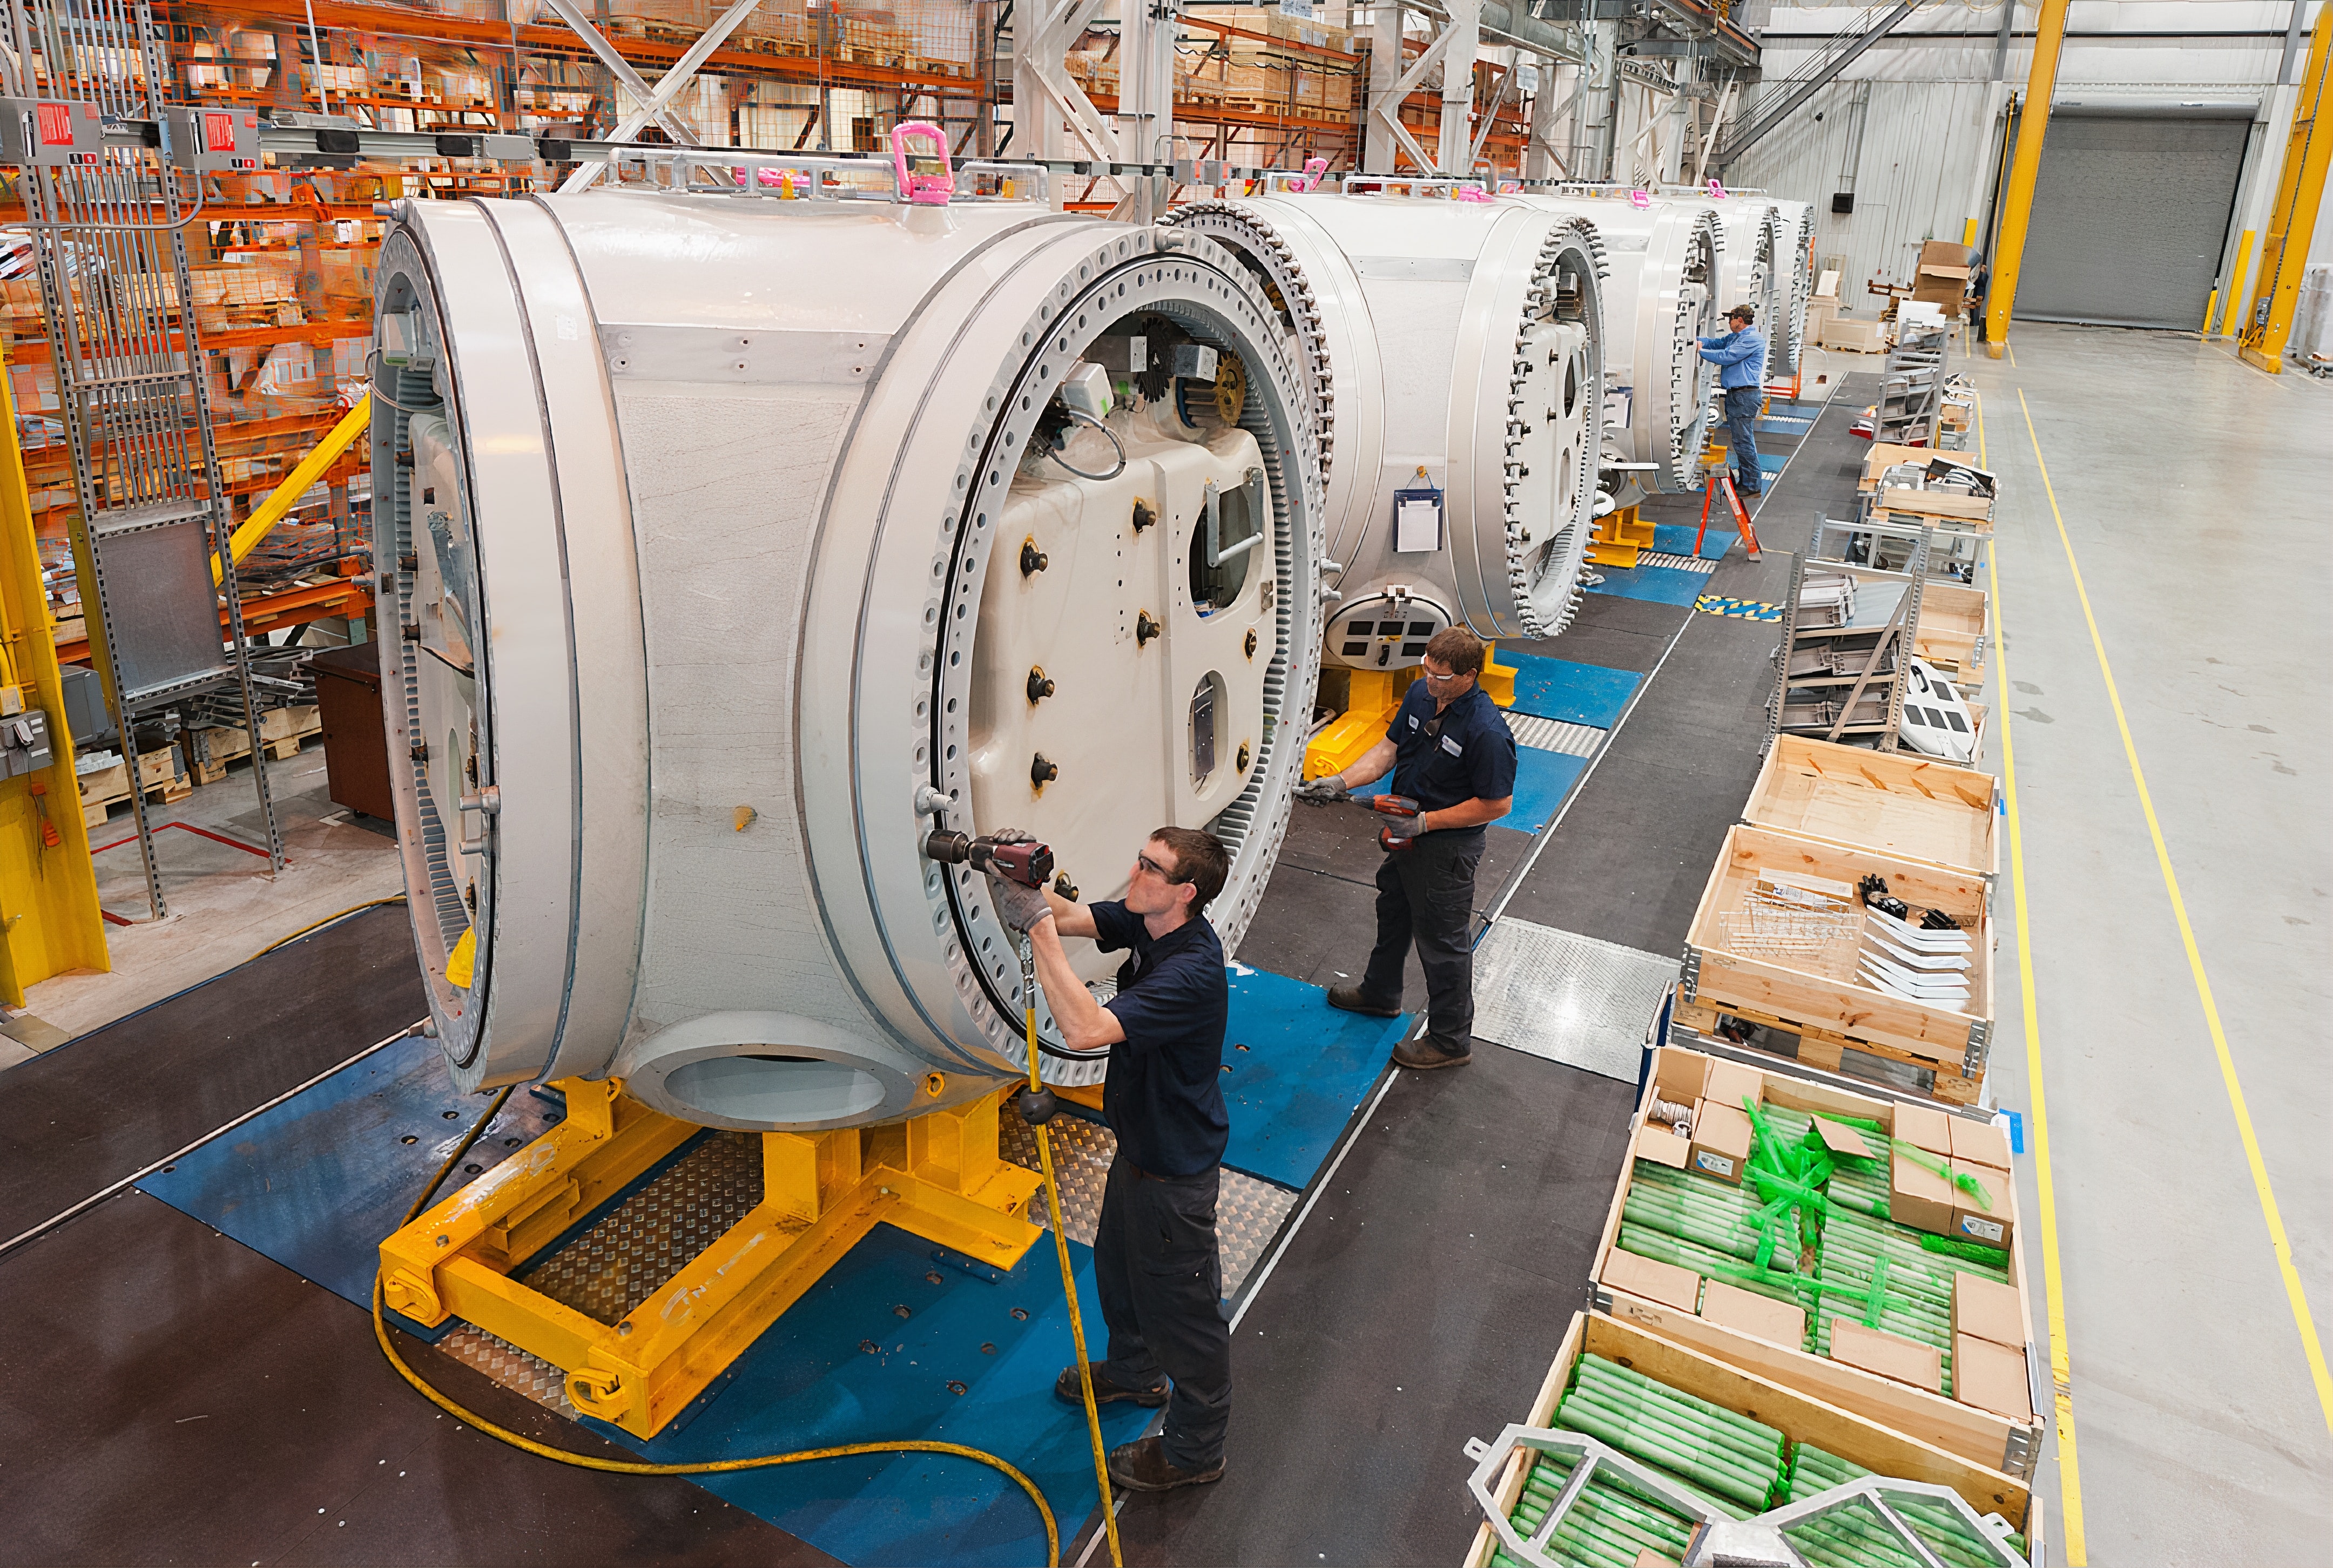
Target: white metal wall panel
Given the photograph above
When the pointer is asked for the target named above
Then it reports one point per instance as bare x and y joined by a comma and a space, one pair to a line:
1922, 143
2130, 217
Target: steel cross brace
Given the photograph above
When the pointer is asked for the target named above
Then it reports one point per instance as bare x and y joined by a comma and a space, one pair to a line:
653, 105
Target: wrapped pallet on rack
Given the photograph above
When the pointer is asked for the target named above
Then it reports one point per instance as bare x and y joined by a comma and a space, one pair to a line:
1638, 1446
1863, 1251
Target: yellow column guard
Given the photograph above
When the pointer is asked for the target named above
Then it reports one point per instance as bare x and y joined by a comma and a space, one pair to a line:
281, 499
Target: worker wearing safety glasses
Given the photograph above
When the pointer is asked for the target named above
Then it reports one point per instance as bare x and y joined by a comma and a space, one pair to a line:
1453, 764
1156, 1267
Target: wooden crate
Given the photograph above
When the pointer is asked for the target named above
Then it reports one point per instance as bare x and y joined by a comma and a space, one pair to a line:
1954, 621
1830, 1006
1994, 1442
100, 789
1801, 1417
163, 777
209, 750
281, 730
1900, 802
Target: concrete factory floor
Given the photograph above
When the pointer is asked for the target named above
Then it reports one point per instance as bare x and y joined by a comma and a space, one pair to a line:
2192, 490
224, 905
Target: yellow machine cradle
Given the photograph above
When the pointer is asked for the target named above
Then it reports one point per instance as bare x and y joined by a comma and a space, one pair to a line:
939, 1176
1371, 700
1620, 537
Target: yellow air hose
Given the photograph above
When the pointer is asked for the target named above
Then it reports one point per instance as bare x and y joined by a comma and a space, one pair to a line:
802, 1456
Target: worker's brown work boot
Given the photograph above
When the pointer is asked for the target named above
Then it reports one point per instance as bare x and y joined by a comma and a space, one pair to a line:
1352, 1000
1067, 1387
1430, 1051
1143, 1466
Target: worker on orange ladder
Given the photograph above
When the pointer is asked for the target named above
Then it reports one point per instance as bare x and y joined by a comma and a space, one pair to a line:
1742, 353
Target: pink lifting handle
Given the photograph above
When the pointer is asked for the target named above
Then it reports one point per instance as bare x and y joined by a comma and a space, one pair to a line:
927, 175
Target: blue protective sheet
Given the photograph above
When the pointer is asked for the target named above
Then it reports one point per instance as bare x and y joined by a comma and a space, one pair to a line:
1660, 585
319, 1180
1677, 539
811, 1380
1542, 778
1299, 1068
1573, 693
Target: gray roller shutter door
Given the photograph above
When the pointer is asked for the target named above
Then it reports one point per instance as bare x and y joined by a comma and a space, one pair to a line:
2130, 218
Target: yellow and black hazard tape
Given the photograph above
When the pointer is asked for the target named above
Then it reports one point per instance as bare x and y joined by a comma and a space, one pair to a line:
1740, 610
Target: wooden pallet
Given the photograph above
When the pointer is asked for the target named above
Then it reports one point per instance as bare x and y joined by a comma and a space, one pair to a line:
281, 731
166, 784
1821, 1047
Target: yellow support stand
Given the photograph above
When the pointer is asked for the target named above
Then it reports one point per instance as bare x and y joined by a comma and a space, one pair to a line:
1372, 699
938, 1175
1620, 537
48, 890
2299, 190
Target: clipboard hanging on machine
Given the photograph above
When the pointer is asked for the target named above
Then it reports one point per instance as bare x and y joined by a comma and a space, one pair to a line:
1418, 525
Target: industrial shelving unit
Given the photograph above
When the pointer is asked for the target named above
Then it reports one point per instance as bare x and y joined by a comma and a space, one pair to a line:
1839, 671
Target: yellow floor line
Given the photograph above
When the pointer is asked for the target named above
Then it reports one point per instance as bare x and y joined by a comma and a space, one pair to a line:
2294, 1294
2062, 1375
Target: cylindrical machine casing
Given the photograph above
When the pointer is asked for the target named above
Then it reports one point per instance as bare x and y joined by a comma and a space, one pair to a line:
1457, 354
706, 515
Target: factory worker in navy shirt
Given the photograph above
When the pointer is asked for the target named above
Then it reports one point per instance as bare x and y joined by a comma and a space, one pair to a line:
1452, 761
1743, 354
1155, 1264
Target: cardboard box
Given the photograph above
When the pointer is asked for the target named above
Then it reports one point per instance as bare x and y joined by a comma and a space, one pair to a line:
1885, 455
1648, 1558
1841, 1139
1657, 1142
1861, 336
1747, 1311
1730, 1082
1984, 1142
1891, 1356
1972, 1220
1925, 1127
1721, 1142
1992, 1377
1653, 1279
1918, 1197
1986, 1309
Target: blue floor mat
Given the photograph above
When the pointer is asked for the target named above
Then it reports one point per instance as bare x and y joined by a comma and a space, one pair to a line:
845, 1365
1299, 1068
319, 1180
1677, 539
1572, 694
1660, 585
1542, 778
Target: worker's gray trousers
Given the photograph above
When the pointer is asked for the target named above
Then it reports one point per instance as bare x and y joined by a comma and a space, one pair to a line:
1425, 895
1742, 405
1161, 1282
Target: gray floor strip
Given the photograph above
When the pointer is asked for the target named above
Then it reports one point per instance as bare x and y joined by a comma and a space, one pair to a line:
1567, 997
1555, 735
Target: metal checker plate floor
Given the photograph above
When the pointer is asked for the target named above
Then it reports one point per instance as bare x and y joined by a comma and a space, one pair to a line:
1249, 1212
1570, 998
510, 1366
629, 1254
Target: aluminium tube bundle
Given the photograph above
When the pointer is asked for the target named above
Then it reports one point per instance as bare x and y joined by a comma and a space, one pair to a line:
1608, 1525
1848, 1539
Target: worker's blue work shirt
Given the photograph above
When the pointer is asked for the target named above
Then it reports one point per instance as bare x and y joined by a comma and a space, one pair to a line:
1743, 354
1163, 1096
1465, 752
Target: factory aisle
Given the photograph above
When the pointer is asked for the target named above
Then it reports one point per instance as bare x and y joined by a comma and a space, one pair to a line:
2192, 499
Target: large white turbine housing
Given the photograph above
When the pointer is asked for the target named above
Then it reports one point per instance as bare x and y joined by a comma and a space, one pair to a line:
1667, 262
731, 557
1454, 347
1795, 223
1756, 272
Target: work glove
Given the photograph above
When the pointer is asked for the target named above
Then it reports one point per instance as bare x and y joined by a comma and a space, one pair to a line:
1323, 791
1398, 829
1021, 908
